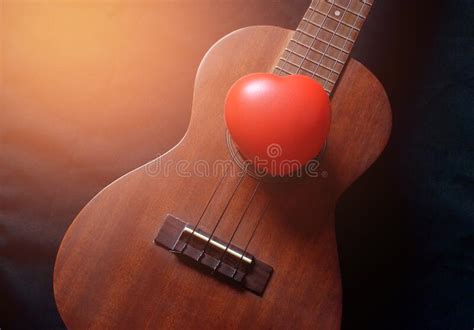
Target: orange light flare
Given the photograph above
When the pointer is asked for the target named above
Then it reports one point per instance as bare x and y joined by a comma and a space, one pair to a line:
98, 67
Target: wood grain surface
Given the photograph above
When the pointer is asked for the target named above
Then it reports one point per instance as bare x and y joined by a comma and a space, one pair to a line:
110, 274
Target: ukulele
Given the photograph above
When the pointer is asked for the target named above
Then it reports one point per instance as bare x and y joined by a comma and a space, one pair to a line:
196, 238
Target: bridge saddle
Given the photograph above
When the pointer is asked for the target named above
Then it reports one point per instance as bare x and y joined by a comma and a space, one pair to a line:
214, 255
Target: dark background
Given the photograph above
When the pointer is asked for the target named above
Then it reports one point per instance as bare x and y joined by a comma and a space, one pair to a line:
72, 120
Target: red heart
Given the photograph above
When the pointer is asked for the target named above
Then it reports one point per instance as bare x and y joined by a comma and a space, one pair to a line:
275, 121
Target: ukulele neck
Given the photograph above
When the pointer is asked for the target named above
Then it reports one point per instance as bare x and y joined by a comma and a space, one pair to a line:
321, 44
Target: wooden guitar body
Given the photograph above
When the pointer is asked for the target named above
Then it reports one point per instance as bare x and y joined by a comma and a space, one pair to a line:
109, 273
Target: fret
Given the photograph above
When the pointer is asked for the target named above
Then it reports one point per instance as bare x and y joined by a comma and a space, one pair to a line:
342, 16
321, 46
332, 41
279, 68
339, 21
327, 86
323, 41
311, 66
324, 29
342, 58
349, 10
325, 62
315, 21
327, 39
355, 8
313, 56
319, 19
364, 8
325, 76
353, 13
295, 67
342, 31
321, 72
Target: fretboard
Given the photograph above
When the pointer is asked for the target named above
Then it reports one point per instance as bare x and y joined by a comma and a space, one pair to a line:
321, 44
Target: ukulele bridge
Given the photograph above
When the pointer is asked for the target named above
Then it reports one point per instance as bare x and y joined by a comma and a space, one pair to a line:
224, 248
213, 255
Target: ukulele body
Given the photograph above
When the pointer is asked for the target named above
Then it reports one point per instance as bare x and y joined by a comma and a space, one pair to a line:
109, 273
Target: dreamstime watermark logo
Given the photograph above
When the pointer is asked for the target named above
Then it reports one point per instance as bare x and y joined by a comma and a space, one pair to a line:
274, 150
259, 167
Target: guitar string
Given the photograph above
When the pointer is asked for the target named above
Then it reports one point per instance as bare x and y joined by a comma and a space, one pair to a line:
268, 203
329, 43
290, 51
251, 237
207, 206
316, 36
222, 214
332, 70
239, 223
241, 179
347, 39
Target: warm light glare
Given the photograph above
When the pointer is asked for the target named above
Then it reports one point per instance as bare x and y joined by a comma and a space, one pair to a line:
92, 68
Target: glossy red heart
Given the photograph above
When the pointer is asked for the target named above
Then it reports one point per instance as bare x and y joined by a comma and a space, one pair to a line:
275, 121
